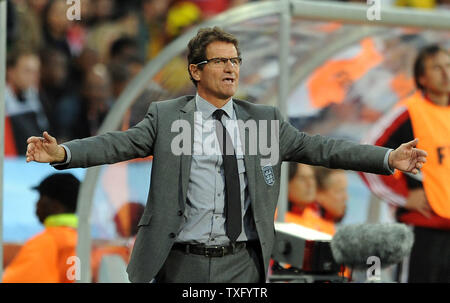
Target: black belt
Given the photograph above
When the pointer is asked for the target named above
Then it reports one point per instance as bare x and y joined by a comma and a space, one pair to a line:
212, 251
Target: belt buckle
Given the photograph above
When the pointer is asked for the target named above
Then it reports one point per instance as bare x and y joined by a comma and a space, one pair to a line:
212, 255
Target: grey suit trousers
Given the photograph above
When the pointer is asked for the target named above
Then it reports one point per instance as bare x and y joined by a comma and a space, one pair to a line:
243, 266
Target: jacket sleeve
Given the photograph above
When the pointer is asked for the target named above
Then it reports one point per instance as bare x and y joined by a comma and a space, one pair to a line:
319, 150
115, 146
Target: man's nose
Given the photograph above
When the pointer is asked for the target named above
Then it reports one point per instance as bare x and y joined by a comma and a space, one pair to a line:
446, 73
229, 66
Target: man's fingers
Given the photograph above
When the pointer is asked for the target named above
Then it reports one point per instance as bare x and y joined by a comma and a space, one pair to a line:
34, 139
30, 148
413, 143
421, 153
422, 159
49, 138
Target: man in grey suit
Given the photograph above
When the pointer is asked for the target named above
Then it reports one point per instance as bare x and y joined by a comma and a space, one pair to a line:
210, 215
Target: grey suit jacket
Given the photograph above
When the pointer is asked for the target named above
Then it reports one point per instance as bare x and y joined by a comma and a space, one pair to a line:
170, 173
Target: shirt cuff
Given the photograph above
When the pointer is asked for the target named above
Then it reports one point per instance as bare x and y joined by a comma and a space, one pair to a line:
68, 157
386, 161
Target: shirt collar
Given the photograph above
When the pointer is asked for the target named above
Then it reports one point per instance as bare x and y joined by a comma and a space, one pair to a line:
207, 109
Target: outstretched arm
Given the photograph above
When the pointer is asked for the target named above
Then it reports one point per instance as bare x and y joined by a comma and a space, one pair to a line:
108, 148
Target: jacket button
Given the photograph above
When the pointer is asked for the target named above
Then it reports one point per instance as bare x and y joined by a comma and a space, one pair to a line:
172, 235
180, 213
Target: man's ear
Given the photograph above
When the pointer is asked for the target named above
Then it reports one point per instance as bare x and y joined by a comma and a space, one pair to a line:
195, 72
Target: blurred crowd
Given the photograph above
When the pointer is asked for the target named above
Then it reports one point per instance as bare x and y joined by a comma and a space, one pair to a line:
64, 75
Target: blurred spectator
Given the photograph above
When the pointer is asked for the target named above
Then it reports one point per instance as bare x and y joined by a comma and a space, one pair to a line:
102, 36
59, 101
26, 26
303, 207
331, 192
56, 26
25, 115
152, 17
302, 187
123, 72
79, 29
38, 6
95, 100
122, 49
180, 18
44, 258
103, 10
81, 65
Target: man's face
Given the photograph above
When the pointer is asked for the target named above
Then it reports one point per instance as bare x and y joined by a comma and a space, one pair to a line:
302, 187
336, 187
217, 81
436, 77
26, 72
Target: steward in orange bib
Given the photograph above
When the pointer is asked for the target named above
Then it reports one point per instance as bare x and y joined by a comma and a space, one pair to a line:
422, 202
312, 201
46, 258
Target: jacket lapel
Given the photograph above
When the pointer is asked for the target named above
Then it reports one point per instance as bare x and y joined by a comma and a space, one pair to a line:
186, 114
249, 160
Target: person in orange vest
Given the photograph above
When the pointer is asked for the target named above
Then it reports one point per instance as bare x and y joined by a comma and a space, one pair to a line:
332, 193
422, 202
46, 257
302, 187
304, 208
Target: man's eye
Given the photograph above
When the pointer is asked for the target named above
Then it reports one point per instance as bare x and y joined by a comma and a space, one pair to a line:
218, 60
234, 61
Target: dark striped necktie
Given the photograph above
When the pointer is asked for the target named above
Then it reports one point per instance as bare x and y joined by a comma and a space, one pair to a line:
232, 185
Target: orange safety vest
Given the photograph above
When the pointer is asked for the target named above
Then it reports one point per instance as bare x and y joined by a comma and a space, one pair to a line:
311, 218
44, 258
330, 82
431, 125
